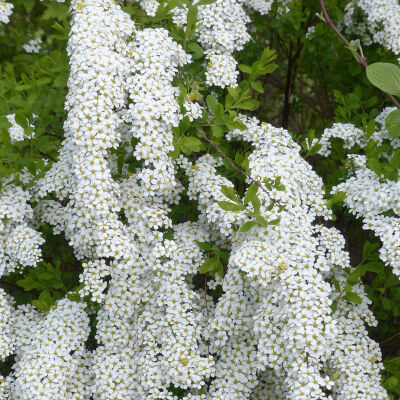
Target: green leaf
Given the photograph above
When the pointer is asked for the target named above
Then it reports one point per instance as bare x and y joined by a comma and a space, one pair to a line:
247, 226
392, 123
189, 144
230, 193
374, 165
249, 104
191, 21
212, 103
336, 284
56, 10
217, 131
385, 76
205, 2
227, 206
211, 266
352, 297
257, 86
184, 125
274, 221
395, 162
245, 68
204, 246
251, 194
261, 221
390, 383
44, 302
336, 198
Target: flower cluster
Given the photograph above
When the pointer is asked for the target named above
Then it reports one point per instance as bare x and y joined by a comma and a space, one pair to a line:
33, 46
16, 131
51, 361
382, 22
19, 243
220, 33
275, 309
368, 195
5, 11
82, 176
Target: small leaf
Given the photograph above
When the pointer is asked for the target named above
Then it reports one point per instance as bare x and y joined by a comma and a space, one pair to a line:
395, 162
212, 103
205, 2
336, 198
274, 221
227, 206
245, 68
189, 144
261, 221
257, 86
247, 226
385, 76
352, 297
191, 21
251, 194
392, 123
230, 193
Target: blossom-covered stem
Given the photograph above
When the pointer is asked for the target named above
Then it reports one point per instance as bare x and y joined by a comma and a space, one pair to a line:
362, 60
233, 165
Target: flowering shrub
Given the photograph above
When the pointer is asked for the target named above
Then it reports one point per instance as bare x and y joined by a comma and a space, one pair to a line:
199, 200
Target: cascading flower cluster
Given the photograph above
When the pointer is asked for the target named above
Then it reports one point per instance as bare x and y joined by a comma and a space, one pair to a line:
275, 310
368, 195
220, 33
81, 178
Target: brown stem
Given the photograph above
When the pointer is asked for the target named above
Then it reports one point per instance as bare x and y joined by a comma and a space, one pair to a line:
358, 56
390, 339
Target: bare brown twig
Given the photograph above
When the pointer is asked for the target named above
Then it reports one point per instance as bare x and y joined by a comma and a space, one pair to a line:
362, 60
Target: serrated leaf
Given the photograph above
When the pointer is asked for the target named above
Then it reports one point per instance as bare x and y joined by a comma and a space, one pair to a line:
228, 206
385, 76
247, 226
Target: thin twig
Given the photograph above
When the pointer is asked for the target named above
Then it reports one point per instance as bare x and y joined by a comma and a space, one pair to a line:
362, 60
236, 168
390, 339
